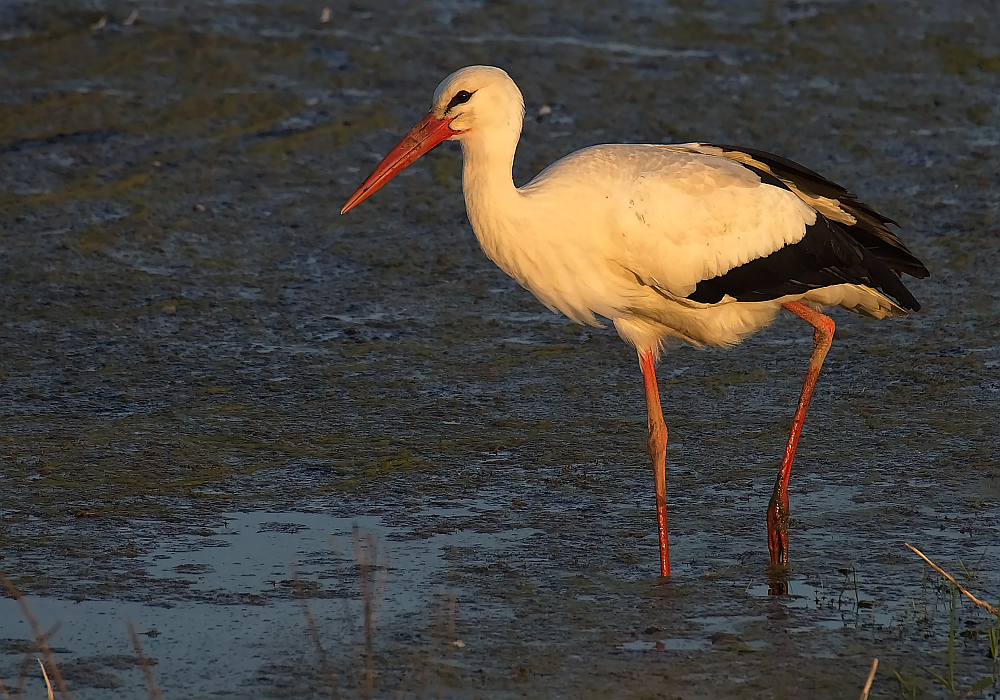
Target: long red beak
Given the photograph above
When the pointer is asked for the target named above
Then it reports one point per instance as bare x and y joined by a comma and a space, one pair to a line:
428, 133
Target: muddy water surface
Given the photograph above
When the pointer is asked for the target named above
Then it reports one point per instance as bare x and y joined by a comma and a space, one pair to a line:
208, 376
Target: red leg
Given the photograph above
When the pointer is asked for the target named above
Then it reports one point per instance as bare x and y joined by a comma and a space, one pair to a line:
658, 452
777, 510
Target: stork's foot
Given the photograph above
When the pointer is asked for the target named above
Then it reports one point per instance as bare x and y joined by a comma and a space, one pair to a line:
777, 544
777, 530
777, 579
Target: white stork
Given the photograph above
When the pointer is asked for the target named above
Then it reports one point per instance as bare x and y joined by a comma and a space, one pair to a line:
695, 241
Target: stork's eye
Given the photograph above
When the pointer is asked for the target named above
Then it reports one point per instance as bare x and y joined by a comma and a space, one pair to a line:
460, 98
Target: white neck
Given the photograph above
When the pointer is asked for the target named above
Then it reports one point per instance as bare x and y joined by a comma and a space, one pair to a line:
487, 171
493, 203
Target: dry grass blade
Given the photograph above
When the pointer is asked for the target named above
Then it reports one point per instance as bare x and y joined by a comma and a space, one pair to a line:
868, 683
324, 661
40, 637
145, 663
365, 564
372, 589
948, 576
48, 685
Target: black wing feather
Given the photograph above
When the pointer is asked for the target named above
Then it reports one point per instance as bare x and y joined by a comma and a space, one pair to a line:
870, 230
827, 255
830, 253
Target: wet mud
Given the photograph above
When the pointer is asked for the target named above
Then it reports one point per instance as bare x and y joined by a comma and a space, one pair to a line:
208, 375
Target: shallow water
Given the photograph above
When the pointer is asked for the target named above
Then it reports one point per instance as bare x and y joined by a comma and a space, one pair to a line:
208, 375
235, 613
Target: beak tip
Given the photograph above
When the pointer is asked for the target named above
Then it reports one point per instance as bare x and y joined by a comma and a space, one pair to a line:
350, 204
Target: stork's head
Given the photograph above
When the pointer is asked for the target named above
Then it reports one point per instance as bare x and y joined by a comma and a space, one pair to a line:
478, 97
468, 104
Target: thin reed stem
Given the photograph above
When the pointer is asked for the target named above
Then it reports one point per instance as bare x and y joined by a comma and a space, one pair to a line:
40, 637
974, 599
145, 663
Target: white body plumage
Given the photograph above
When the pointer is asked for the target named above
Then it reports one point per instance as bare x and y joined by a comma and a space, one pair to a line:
626, 232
